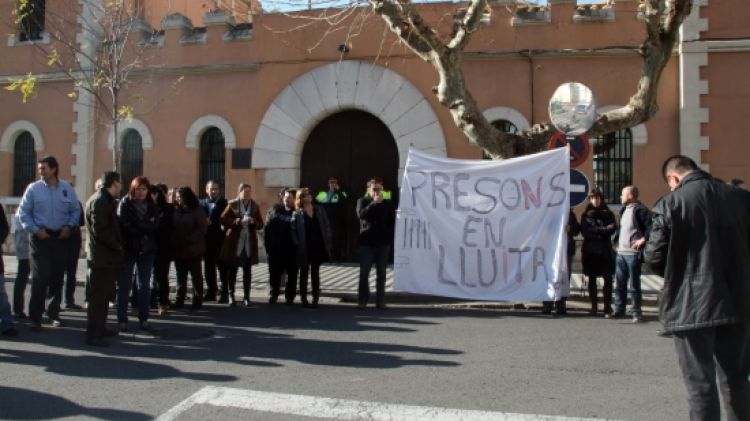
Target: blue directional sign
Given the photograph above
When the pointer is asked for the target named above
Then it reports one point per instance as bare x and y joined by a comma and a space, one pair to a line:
579, 187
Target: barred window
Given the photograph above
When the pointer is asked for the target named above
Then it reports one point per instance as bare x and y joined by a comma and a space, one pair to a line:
132, 158
211, 159
24, 163
613, 164
504, 126
32, 20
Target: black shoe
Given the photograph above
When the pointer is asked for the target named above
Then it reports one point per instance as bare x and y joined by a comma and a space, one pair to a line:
145, 326
305, 303
314, 303
223, 299
73, 306
273, 300
178, 304
246, 302
289, 301
109, 333
11, 332
21, 315
100, 342
36, 326
210, 296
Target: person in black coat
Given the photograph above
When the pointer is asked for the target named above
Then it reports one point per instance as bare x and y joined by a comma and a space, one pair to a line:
311, 233
277, 239
376, 221
700, 244
139, 221
164, 256
597, 226
213, 205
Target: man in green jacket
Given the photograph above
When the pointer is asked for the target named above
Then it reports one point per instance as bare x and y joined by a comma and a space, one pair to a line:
105, 255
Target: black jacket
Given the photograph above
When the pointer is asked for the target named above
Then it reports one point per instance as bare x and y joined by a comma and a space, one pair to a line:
104, 245
700, 244
299, 235
573, 228
642, 217
277, 236
597, 227
215, 233
376, 222
138, 233
4, 231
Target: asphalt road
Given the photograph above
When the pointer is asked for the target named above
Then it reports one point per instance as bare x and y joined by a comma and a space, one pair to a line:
407, 355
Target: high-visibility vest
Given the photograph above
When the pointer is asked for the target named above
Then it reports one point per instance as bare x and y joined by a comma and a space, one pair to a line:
322, 196
386, 194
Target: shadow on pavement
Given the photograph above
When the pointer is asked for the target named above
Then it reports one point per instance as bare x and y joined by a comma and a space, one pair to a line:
22, 404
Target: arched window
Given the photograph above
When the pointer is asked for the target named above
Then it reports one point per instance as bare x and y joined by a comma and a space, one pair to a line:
24, 163
504, 126
132, 158
211, 158
613, 163
32, 20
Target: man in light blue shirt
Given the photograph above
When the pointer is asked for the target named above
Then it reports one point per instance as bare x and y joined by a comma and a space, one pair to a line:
49, 210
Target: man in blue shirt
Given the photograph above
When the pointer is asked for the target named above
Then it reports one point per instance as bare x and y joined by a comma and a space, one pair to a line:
49, 210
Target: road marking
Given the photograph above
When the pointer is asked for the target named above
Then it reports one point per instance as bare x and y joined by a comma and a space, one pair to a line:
338, 409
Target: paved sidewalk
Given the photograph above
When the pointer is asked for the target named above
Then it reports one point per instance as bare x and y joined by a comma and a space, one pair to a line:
339, 281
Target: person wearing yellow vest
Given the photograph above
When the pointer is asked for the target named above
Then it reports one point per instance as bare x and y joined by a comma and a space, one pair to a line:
385, 193
333, 201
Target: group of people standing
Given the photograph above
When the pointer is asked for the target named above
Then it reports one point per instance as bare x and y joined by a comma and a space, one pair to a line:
133, 240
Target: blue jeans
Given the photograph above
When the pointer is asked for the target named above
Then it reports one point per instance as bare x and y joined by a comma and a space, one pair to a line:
628, 267
6, 320
367, 256
145, 264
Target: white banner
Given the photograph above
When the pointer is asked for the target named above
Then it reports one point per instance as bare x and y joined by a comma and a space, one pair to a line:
484, 230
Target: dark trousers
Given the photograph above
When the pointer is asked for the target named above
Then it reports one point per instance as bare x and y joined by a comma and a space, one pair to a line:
48, 258
192, 265
161, 278
369, 255
606, 292
101, 291
211, 264
278, 264
19, 288
247, 276
313, 268
699, 353
71, 267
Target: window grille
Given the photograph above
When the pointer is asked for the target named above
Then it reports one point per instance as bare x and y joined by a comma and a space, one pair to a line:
32, 20
504, 126
24, 163
132, 158
613, 164
212, 155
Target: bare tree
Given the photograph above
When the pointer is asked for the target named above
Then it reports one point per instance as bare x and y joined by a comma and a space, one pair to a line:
662, 19
99, 60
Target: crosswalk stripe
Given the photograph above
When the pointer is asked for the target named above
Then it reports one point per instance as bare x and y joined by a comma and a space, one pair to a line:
338, 409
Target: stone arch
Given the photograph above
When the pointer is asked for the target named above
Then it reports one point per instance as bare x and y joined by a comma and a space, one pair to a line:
193, 139
509, 114
640, 135
335, 87
147, 141
12, 132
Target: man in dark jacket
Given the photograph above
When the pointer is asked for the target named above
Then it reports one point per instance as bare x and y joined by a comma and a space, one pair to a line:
376, 219
105, 256
214, 205
635, 226
277, 238
700, 243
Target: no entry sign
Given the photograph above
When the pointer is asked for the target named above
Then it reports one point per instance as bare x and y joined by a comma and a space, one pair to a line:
579, 147
579, 187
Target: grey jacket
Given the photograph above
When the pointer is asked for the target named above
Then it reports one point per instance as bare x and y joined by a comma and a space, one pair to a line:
700, 243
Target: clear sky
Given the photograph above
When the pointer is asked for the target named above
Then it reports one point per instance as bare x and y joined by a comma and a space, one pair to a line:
293, 5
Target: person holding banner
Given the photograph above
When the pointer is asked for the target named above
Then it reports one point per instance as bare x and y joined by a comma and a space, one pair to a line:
597, 226
572, 228
376, 218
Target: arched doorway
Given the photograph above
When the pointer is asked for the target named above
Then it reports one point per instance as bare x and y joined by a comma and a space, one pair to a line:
353, 146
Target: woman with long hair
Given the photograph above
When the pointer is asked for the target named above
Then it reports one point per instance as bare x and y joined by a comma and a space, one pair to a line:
597, 226
189, 227
311, 234
139, 222
241, 219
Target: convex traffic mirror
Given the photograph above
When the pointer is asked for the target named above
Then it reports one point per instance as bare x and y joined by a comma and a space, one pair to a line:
572, 109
